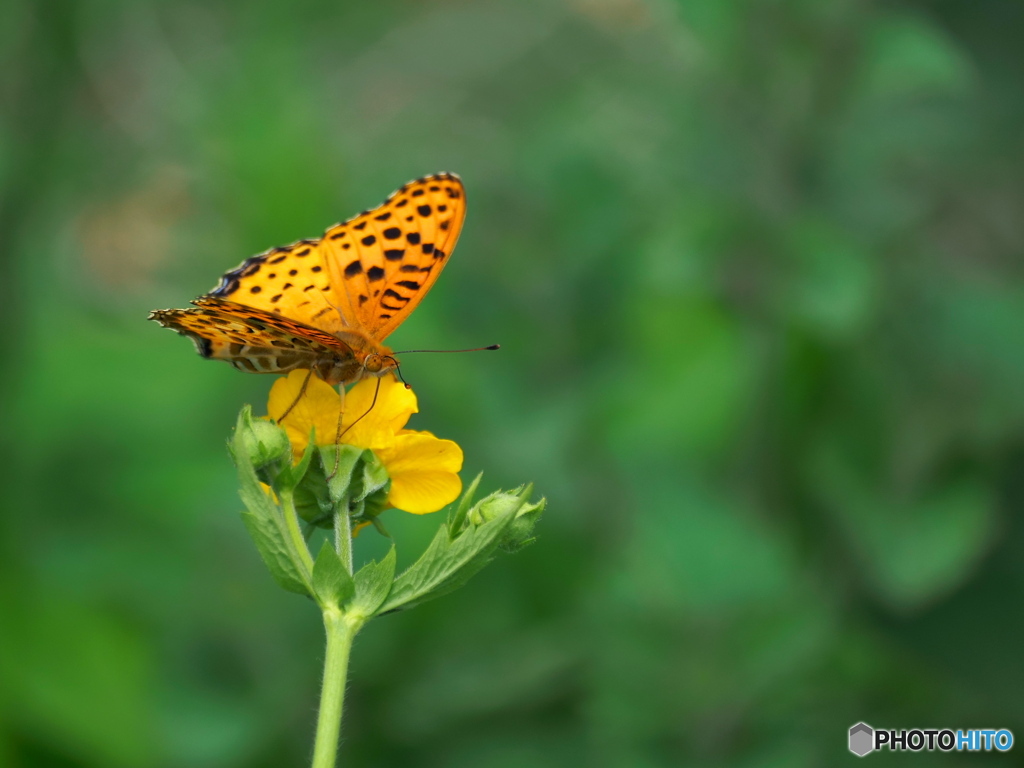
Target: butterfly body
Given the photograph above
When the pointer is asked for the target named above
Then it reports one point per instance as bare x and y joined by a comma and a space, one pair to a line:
328, 304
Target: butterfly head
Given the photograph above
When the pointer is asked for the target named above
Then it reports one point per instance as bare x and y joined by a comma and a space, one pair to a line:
348, 370
375, 364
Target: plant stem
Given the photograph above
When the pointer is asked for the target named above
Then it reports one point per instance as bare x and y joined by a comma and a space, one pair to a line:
298, 541
343, 534
340, 632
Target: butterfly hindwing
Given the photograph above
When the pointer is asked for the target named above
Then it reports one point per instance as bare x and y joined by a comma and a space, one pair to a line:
387, 259
250, 339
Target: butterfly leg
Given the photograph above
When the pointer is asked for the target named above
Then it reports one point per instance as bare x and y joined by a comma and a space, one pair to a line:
341, 432
302, 391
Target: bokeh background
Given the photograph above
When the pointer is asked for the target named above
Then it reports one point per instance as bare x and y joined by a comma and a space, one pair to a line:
756, 267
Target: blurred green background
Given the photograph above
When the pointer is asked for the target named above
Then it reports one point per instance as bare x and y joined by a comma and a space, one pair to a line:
756, 268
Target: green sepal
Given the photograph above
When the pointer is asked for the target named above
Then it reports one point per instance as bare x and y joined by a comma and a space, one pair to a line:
457, 517
453, 557
254, 446
289, 476
332, 583
373, 584
519, 533
344, 461
312, 502
361, 481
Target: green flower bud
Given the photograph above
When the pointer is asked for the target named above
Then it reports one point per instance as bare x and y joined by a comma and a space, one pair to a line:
495, 505
519, 532
258, 441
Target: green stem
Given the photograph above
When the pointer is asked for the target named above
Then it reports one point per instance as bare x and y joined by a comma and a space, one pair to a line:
291, 521
343, 534
340, 632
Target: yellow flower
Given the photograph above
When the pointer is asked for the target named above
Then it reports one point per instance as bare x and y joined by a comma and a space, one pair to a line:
423, 468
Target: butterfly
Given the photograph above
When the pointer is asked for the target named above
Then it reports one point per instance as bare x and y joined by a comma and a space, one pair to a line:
328, 304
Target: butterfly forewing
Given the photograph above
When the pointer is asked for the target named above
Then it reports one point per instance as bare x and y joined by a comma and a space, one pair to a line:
292, 281
387, 259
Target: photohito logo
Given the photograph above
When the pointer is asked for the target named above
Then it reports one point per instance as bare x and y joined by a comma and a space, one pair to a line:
865, 739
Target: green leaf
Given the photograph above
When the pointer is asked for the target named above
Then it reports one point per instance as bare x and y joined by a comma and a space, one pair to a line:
274, 550
332, 582
448, 563
373, 583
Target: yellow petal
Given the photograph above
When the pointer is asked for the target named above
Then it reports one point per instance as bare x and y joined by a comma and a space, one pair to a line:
373, 424
424, 472
319, 408
269, 491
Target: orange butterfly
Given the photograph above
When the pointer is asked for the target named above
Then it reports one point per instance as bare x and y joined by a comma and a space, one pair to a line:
327, 305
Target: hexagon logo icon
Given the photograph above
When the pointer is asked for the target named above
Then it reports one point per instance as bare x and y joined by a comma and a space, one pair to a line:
862, 739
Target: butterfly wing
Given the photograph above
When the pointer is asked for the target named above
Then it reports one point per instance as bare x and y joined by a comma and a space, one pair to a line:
387, 259
366, 274
251, 339
290, 281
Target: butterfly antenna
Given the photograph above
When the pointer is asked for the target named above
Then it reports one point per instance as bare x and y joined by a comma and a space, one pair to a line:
398, 373
475, 349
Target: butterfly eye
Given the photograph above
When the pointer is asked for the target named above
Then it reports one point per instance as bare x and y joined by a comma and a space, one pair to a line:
373, 363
